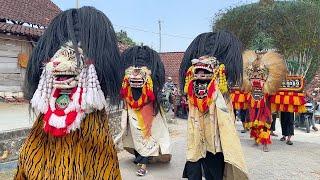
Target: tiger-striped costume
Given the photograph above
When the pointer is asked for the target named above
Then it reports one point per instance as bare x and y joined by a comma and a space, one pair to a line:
87, 153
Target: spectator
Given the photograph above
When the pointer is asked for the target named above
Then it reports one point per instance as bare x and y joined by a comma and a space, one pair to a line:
316, 107
273, 124
287, 121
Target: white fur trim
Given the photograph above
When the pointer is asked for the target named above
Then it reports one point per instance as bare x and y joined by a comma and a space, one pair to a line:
75, 98
57, 121
76, 124
71, 107
89, 97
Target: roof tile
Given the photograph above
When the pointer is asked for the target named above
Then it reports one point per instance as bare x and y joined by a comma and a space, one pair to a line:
38, 12
172, 61
20, 30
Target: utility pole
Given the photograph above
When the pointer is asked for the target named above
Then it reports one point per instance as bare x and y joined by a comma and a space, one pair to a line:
77, 4
159, 36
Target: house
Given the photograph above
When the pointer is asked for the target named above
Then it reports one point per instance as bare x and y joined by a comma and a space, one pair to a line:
22, 22
172, 61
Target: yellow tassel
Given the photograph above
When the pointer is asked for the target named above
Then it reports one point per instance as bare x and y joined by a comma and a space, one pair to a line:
264, 134
237, 106
290, 108
222, 79
273, 107
277, 99
296, 100
241, 98
281, 107
232, 95
286, 100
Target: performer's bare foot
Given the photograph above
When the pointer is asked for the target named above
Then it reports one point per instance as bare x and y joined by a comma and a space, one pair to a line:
265, 148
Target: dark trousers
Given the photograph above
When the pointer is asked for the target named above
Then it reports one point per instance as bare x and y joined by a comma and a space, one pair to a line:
140, 159
287, 123
212, 165
273, 124
243, 114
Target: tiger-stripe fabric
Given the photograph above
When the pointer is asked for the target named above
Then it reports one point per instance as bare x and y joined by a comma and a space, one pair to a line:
87, 153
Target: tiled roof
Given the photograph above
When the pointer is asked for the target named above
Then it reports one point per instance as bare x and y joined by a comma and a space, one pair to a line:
37, 12
171, 61
20, 30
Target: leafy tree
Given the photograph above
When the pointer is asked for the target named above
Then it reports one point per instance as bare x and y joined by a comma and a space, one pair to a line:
122, 37
291, 27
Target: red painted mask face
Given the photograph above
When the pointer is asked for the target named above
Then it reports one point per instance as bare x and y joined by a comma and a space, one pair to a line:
258, 75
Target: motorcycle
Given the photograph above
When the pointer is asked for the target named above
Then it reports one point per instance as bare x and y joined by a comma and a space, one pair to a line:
304, 120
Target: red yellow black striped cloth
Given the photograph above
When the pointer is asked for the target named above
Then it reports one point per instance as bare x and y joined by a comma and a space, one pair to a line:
239, 99
281, 101
288, 102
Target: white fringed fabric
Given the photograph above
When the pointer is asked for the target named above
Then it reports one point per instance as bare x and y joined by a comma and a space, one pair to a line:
92, 97
40, 99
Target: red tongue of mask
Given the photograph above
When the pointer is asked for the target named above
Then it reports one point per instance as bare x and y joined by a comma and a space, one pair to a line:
257, 83
201, 92
62, 78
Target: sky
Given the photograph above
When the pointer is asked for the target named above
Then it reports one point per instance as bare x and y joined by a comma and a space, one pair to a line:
181, 20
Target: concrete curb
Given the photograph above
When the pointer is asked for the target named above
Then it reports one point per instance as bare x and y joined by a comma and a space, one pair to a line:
7, 166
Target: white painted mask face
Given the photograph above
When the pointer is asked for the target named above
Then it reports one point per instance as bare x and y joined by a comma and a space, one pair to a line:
137, 76
65, 68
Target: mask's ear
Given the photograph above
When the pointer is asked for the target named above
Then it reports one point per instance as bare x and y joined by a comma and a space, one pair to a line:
248, 58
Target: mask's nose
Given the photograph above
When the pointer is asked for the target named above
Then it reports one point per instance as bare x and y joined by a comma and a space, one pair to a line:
56, 63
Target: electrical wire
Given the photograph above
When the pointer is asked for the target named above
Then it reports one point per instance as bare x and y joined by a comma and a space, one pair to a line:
120, 26
153, 32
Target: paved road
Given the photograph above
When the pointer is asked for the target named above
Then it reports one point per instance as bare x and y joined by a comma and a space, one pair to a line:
298, 162
14, 116
283, 162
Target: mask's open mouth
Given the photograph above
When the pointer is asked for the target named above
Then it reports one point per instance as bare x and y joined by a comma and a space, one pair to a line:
200, 88
65, 80
136, 82
203, 74
257, 88
136, 93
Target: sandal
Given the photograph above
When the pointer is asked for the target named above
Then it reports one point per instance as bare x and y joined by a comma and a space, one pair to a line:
273, 134
289, 143
315, 128
283, 139
142, 172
